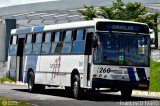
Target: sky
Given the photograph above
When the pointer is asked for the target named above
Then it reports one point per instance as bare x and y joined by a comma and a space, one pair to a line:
4, 3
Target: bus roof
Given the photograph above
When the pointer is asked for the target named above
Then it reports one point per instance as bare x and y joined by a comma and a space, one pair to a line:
71, 25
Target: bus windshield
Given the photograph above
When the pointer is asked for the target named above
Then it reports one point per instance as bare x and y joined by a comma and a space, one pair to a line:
122, 49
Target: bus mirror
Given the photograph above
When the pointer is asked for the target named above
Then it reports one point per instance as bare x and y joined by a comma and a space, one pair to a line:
94, 43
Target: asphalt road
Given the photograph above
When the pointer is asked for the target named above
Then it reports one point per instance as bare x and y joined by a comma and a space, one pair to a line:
58, 97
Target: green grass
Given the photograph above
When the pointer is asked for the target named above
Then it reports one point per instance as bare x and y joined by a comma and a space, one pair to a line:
154, 76
6, 102
3, 79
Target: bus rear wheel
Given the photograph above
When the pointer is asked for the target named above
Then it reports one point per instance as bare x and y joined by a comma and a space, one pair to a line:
31, 81
34, 87
76, 87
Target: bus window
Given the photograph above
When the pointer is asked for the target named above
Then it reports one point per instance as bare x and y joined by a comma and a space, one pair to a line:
80, 34
28, 49
13, 49
56, 37
46, 45
79, 43
53, 47
29, 38
36, 49
67, 43
66, 47
38, 38
28, 46
56, 44
78, 47
48, 37
46, 48
58, 48
37, 44
67, 36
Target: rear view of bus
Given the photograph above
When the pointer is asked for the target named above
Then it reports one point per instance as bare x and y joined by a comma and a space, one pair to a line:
121, 56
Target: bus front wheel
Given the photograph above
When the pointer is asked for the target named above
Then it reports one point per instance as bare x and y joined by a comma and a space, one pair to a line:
76, 87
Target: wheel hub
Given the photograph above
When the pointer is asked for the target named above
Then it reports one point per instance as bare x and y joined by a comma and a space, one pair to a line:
75, 88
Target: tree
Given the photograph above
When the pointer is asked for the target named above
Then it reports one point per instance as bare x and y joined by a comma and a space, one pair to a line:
89, 13
132, 11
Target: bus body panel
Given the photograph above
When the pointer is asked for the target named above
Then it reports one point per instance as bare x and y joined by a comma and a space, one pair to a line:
12, 67
58, 68
55, 70
9, 62
109, 76
30, 65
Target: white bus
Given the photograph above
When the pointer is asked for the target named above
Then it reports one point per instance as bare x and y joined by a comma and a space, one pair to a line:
82, 55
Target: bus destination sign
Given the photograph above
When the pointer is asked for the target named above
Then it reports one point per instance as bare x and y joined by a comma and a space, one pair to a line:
119, 26
123, 27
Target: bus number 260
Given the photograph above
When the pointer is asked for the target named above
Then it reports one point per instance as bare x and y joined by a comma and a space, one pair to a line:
104, 70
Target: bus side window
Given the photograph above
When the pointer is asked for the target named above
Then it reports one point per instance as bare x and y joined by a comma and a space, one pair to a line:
38, 38
28, 45
55, 39
46, 45
13, 46
57, 36
37, 43
79, 43
80, 34
67, 42
29, 39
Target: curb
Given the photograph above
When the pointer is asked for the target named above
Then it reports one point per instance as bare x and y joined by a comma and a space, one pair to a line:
15, 83
146, 93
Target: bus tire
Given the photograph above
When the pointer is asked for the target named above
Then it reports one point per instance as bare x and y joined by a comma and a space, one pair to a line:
34, 87
76, 87
126, 93
31, 86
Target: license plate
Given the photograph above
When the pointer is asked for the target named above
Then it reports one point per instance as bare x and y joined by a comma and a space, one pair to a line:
103, 72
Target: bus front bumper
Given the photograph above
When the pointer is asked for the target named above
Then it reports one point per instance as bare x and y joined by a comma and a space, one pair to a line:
104, 83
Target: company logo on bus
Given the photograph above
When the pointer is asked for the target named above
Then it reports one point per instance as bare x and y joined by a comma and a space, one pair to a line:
55, 67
